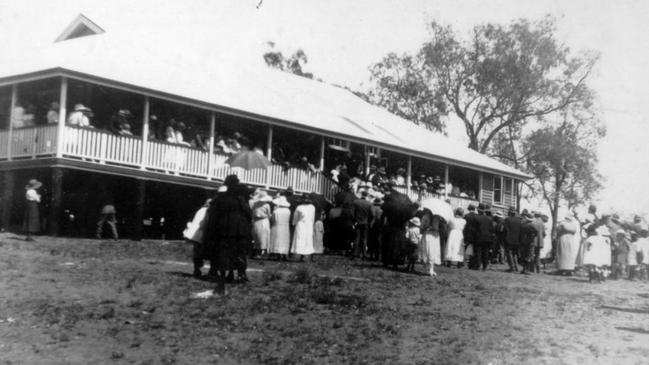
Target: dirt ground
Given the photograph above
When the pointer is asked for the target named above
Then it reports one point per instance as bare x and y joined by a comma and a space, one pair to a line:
66, 301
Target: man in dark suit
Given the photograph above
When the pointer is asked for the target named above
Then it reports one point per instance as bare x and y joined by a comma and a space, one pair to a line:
469, 233
484, 236
527, 243
362, 216
538, 240
513, 225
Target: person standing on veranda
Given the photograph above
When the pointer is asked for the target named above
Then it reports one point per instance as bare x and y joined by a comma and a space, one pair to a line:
31, 222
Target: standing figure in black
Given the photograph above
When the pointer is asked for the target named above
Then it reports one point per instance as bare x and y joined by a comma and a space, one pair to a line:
229, 230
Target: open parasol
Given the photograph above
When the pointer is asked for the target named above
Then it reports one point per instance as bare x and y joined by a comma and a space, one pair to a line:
438, 207
248, 160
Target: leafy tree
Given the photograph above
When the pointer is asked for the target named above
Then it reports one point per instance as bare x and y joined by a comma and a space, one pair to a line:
563, 160
495, 82
293, 64
403, 87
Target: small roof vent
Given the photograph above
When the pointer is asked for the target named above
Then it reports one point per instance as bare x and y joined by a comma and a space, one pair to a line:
81, 26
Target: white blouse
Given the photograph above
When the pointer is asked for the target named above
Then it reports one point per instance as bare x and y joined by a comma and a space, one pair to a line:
32, 195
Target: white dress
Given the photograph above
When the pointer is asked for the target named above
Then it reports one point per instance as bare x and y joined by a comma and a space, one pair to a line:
455, 243
597, 251
261, 225
280, 233
303, 219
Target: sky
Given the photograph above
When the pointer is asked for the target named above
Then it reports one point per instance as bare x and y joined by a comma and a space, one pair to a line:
342, 38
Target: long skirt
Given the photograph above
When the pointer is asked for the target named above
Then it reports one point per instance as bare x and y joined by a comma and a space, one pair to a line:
430, 252
261, 234
394, 245
455, 246
31, 223
318, 234
567, 251
280, 239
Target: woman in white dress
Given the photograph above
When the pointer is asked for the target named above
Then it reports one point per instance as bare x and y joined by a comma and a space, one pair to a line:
430, 251
280, 232
567, 245
261, 212
455, 243
303, 220
597, 254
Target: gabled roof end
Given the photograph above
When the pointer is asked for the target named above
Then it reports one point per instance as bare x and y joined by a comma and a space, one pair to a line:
81, 26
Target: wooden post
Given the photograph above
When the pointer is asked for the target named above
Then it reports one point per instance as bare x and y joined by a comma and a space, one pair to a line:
322, 153
138, 229
445, 181
480, 180
210, 147
367, 161
145, 134
269, 153
60, 130
409, 175
7, 200
12, 111
56, 201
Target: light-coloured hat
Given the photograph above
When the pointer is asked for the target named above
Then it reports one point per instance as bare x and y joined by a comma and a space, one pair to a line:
603, 231
33, 184
415, 221
222, 189
499, 214
282, 202
81, 108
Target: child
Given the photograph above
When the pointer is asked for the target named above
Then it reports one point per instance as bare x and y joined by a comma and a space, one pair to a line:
413, 236
632, 256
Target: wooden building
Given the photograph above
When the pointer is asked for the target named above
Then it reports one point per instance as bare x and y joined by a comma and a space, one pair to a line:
156, 184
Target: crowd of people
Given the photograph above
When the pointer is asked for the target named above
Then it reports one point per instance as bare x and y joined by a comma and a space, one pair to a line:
382, 224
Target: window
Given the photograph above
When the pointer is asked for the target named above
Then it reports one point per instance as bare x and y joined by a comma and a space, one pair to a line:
498, 189
509, 187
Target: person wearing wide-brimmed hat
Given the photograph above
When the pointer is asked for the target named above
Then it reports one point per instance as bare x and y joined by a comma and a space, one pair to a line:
513, 224
261, 212
376, 226
470, 232
567, 246
229, 230
80, 116
455, 244
31, 223
528, 237
280, 232
484, 238
597, 253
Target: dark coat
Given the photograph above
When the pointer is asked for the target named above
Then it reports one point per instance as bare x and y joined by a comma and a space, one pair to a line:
485, 229
471, 228
363, 211
540, 232
513, 230
229, 216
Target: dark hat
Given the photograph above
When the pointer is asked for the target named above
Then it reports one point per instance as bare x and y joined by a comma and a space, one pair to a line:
231, 180
471, 207
482, 207
527, 216
289, 190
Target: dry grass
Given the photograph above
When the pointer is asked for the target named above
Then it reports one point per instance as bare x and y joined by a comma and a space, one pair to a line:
82, 301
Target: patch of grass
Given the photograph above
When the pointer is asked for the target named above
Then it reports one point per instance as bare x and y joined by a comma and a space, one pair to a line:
302, 276
270, 276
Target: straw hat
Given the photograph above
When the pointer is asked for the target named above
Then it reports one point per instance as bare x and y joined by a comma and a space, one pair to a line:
415, 221
282, 202
603, 231
33, 184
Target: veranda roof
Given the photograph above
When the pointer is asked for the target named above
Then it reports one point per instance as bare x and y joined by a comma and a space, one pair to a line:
223, 82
